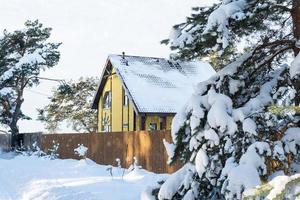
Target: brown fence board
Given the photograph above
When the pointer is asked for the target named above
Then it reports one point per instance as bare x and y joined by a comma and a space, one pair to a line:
104, 148
129, 148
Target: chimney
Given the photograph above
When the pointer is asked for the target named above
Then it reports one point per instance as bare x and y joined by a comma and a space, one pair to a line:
124, 61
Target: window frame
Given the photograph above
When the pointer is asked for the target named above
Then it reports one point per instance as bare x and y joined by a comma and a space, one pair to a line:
107, 100
153, 124
125, 100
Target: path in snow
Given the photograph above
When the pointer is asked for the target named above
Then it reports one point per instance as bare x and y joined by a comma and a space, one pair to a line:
33, 178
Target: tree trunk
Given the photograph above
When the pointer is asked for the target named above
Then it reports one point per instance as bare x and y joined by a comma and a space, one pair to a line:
296, 23
15, 142
14, 136
296, 31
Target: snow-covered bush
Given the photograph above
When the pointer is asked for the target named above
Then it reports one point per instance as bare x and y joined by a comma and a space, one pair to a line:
121, 172
53, 152
34, 150
118, 160
135, 165
81, 151
37, 150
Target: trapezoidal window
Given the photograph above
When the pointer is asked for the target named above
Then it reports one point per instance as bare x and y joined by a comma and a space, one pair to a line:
107, 99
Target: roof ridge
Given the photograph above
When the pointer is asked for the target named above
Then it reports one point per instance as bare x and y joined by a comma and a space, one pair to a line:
137, 56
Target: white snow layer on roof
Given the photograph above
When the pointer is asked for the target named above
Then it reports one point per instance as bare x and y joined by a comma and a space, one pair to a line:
157, 85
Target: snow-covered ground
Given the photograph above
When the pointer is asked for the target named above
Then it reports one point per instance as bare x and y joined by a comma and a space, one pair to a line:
34, 178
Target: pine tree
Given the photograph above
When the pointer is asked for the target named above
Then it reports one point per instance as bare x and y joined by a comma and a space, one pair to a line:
23, 55
71, 103
226, 135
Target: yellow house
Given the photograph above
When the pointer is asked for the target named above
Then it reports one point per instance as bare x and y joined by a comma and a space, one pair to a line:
144, 93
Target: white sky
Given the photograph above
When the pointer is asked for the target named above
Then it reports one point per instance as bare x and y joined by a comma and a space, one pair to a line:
89, 31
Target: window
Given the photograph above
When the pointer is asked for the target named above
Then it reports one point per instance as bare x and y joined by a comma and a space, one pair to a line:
143, 123
107, 100
106, 124
163, 123
125, 126
106, 128
125, 100
153, 126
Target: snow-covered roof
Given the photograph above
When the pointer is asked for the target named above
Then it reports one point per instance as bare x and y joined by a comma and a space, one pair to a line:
157, 85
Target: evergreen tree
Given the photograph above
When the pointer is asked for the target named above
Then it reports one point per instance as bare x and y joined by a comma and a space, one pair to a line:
23, 55
72, 103
226, 135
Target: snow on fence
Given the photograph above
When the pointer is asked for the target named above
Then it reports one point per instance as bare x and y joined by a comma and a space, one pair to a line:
105, 148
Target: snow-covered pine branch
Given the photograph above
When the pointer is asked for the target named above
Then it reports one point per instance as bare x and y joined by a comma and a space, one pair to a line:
222, 136
222, 28
225, 134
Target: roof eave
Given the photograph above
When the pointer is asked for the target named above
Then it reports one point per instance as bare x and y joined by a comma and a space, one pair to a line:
158, 113
100, 86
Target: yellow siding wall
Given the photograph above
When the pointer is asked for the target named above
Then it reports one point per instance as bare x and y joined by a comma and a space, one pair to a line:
116, 103
120, 117
137, 123
169, 122
131, 117
128, 116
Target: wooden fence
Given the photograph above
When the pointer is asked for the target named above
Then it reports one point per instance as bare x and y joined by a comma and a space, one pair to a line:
104, 148
5, 140
25, 139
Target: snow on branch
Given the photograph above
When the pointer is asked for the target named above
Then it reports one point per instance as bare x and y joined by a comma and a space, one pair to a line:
217, 25
220, 18
27, 60
295, 67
